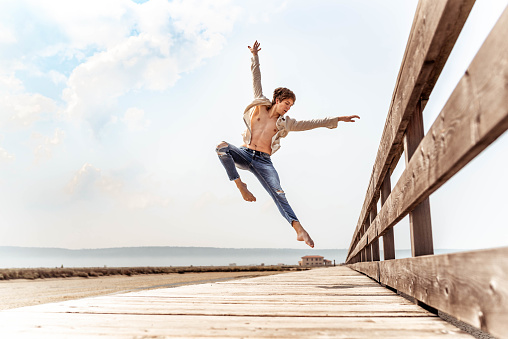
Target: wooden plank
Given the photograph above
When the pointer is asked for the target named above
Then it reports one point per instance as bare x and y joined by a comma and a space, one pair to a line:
436, 26
239, 309
470, 286
420, 225
161, 326
475, 115
349, 299
388, 237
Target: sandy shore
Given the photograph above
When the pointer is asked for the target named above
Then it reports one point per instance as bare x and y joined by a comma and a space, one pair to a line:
19, 293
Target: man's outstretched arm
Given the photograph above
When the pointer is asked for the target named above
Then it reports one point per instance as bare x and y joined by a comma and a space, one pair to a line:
256, 73
305, 125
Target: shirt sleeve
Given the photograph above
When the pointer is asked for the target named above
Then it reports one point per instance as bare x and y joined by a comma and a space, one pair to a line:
256, 77
304, 125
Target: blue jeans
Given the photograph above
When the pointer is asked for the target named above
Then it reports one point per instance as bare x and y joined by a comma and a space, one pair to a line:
259, 164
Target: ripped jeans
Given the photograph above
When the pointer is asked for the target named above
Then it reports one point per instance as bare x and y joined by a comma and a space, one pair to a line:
259, 164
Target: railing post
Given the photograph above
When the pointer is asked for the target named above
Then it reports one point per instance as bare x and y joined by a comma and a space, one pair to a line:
419, 218
363, 252
388, 240
368, 248
375, 242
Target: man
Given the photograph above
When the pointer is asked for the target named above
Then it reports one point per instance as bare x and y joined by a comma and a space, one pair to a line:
266, 125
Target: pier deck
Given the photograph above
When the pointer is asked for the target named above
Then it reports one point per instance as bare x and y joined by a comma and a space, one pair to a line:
328, 302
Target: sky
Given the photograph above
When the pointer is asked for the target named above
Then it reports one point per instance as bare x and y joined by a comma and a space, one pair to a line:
110, 112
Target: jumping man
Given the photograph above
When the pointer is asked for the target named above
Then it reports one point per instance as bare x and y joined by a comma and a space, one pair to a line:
266, 124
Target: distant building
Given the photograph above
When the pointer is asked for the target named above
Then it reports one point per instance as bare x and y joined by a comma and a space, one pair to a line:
314, 260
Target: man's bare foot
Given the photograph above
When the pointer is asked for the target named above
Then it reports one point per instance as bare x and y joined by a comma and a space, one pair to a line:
302, 235
246, 194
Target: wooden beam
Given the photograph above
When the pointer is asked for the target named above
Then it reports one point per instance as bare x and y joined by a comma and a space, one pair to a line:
419, 218
470, 286
475, 115
370, 269
436, 26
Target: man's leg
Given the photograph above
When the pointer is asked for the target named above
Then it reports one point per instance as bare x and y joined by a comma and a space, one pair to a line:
267, 174
230, 156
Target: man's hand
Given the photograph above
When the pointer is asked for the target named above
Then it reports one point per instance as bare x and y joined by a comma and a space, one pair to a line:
349, 118
255, 49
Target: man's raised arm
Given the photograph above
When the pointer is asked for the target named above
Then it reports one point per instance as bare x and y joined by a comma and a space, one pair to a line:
256, 73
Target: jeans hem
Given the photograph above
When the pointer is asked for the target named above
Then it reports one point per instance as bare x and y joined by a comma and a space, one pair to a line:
291, 221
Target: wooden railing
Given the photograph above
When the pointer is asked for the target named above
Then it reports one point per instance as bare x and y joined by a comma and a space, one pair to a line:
471, 286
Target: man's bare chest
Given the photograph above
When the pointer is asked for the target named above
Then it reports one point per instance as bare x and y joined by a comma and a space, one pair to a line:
261, 123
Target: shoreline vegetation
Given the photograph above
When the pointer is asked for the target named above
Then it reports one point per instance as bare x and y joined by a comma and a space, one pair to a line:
93, 272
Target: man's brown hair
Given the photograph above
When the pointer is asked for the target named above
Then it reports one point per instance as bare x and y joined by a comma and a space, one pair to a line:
283, 93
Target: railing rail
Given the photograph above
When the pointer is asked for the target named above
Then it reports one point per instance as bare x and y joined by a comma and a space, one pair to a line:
475, 115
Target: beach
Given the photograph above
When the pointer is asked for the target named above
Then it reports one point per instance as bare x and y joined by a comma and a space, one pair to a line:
23, 292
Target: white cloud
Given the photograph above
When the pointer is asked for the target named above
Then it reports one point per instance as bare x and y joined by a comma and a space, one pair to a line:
89, 181
160, 41
26, 108
115, 46
57, 77
82, 182
8, 82
19, 107
86, 24
5, 156
257, 16
134, 119
6, 35
138, 62
43, 149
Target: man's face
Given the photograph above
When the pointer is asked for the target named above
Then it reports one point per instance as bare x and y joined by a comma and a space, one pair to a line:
284, 106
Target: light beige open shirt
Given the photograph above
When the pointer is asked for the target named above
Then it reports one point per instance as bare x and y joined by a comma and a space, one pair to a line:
284, 124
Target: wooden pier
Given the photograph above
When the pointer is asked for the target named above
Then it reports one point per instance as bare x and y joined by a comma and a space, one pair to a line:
326, 302
340, 302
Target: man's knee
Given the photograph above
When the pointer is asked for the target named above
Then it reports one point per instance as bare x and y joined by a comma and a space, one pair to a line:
280, 194
220, 148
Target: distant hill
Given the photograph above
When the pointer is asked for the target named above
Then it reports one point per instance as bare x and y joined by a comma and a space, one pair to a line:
11, 256
156, 256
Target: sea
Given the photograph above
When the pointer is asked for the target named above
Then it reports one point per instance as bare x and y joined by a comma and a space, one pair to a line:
165, 256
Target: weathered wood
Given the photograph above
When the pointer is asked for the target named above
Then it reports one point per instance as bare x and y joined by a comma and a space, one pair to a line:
419, 218
388, 237
329, 302
79, 325
368, 249
371, 269
436, 26
470, 286
475, 115
375, 242
288, 309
